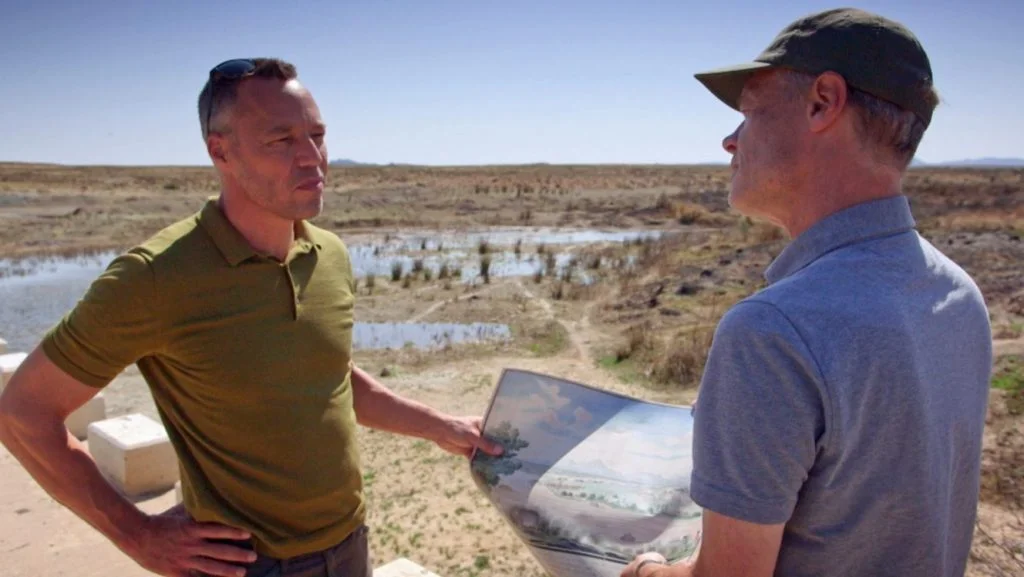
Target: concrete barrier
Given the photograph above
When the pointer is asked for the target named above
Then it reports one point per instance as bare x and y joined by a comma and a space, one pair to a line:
402, 567
9, 363
134, 453
95, 409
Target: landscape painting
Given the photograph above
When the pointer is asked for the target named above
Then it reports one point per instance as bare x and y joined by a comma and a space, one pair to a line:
589, 479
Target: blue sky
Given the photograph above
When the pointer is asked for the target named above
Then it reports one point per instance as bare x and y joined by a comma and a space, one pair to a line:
446, 82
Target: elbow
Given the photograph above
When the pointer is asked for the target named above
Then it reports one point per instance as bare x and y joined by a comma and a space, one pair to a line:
33, 407
8, 418
18, 420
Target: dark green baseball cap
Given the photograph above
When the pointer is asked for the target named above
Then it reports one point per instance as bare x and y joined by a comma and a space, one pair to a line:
872, 53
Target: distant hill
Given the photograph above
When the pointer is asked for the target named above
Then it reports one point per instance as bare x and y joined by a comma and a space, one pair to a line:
975, 162
346, 162
988, 161
350, 162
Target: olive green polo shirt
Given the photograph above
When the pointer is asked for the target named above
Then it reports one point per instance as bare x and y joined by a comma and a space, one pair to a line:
249, 363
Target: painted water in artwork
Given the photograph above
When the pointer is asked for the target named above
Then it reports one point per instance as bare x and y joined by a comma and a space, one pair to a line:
589, 479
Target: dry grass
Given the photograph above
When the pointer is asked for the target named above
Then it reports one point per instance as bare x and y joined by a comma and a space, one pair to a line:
51, 208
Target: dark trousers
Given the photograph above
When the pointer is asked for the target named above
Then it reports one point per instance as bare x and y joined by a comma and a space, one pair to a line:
350, 558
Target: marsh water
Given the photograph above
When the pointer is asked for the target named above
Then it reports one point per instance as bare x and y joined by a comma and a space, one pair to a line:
36, 292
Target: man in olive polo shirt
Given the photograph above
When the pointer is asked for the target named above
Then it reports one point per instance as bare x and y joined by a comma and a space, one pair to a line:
839, 421
240, 319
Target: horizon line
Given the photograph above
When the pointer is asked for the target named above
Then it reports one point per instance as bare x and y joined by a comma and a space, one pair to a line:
981, 162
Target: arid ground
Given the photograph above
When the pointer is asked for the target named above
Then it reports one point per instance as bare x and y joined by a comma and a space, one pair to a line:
633, 314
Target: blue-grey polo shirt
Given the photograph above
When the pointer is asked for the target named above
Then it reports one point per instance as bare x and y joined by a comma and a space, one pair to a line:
847, 400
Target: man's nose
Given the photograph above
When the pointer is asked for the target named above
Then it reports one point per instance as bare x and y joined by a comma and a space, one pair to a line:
309, 152
729, 142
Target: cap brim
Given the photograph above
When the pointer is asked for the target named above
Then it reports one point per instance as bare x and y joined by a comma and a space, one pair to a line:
727, 83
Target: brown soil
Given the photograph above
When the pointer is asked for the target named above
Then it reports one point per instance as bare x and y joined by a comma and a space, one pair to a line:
614, 333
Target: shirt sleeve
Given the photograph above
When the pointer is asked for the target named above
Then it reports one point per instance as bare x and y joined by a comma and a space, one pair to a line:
115, 323
759, 417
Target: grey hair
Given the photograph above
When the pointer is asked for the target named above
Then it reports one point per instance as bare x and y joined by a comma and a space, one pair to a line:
888, 128
227, 91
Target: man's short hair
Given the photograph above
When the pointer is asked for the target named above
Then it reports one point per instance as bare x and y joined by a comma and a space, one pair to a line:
893, 132
227, 90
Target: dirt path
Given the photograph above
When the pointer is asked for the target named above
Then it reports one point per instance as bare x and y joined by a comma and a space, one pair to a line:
579, 363
549, 312
580, 331
1004, 347
418, 317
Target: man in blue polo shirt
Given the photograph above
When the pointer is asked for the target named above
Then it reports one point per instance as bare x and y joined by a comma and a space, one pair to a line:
839, 421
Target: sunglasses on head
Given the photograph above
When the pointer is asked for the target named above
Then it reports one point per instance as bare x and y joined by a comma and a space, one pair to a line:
228, 70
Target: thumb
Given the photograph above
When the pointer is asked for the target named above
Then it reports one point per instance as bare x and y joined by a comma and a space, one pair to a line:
488, 446
479, 441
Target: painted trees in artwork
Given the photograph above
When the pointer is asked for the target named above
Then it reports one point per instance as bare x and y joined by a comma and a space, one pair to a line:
492, 468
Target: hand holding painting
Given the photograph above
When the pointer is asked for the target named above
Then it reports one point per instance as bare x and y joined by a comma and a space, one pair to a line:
648, 559
593, 482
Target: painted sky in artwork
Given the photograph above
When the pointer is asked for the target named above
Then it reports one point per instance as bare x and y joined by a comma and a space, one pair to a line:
591, 432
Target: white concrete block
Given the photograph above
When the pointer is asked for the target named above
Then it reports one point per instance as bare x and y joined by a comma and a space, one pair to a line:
134, 453
3, 346
94, 410
402, 567
8, 364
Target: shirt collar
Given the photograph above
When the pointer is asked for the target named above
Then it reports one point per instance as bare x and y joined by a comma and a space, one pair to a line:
232, 245
858, 223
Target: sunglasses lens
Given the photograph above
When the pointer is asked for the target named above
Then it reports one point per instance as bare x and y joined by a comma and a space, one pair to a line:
234, 68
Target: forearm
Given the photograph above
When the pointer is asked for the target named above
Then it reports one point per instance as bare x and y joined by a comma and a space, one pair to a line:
378, 407
62, 466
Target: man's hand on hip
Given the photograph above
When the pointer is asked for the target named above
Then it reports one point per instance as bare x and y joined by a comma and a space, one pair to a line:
173, 545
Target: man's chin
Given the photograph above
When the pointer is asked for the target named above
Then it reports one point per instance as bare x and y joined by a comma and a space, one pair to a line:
311, 213
736, 198
305, 211
309, 206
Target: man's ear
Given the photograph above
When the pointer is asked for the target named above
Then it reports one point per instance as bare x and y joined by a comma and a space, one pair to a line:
827, 100
216, 147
